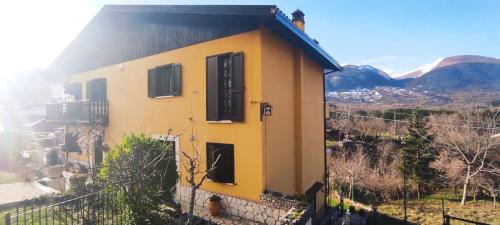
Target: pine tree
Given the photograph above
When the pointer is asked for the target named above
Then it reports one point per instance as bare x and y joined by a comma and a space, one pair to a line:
417, 153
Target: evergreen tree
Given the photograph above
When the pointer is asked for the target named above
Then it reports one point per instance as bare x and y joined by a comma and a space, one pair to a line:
417, 153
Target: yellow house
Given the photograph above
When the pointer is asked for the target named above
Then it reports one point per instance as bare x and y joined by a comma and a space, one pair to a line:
250, 79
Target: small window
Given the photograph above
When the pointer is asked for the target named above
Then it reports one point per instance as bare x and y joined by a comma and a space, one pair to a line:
225, 87
223, 171
164, 81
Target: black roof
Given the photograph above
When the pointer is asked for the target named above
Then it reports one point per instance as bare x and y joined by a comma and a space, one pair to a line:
120, 33
251, 10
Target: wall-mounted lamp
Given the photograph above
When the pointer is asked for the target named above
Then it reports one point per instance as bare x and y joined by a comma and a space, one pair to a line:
265, 110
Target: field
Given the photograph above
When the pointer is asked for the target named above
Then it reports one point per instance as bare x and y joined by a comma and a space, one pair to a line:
429, 211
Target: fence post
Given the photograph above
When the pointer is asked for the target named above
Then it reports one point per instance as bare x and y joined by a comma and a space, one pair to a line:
7, 218
446, 220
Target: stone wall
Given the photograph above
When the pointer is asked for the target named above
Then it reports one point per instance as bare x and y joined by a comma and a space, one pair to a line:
268, 213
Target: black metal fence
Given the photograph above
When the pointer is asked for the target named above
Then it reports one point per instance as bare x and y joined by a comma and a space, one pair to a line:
99, 208
93, 112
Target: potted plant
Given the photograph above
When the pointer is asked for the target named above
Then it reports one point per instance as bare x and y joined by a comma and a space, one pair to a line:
214, 205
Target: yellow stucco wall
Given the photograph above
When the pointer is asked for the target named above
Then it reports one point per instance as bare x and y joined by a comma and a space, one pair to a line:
278, 90
283, 153
132, 111
293, 135
312, 124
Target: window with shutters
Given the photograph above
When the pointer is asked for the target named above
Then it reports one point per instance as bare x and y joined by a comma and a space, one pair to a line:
164, 81
221, 156
97, 90
225, 87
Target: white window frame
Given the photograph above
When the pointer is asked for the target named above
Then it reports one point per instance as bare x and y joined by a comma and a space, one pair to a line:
175, 139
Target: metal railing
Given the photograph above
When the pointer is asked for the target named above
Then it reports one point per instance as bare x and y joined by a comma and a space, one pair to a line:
100, 208
448, 218
93, 112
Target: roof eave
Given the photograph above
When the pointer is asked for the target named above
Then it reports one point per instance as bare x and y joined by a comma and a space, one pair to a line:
282, 19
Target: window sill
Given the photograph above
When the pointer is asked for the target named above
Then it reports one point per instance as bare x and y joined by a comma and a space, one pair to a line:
221, 122
229, 184
167, 96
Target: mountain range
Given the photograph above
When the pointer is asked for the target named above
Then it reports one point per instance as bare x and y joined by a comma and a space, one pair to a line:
451, 74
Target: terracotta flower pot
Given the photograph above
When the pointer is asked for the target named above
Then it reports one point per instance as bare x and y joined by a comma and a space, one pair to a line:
214, 206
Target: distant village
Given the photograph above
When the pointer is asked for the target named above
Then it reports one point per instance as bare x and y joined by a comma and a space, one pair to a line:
388, 95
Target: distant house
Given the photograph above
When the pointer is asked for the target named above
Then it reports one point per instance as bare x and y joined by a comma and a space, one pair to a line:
251, 79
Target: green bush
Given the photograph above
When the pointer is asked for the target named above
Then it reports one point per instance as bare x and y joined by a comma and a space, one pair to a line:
144, 169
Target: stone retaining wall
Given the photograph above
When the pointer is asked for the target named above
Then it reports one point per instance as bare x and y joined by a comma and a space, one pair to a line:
269, 213
277, 202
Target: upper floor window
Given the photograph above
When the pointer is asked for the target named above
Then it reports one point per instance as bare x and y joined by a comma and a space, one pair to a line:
97, 90
75, 90
225, 87
164, 81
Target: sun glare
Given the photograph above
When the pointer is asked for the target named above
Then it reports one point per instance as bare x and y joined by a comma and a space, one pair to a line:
35, 32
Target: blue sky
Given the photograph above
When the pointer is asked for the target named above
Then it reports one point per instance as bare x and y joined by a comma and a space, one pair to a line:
394, 35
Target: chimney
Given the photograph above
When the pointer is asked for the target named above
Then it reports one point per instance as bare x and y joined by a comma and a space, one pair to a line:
298, 19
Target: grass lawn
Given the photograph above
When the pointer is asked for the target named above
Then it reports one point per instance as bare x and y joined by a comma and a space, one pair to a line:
428, 210
7, 178
39, 217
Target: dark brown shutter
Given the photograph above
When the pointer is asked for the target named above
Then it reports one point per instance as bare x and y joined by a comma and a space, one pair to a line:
78, 91
151, 83
103, 90
238, 87
177, 80
212, 89
89, 90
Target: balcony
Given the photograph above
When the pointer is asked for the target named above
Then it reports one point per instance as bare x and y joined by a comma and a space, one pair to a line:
84, 112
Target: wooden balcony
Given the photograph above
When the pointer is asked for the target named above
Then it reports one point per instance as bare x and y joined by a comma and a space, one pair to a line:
84, 112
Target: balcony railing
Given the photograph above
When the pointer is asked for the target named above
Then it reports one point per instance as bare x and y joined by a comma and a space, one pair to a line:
89, 112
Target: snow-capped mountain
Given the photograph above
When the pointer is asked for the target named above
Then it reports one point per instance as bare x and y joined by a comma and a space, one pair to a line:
455, 73
442, 62
422, 70
363, 76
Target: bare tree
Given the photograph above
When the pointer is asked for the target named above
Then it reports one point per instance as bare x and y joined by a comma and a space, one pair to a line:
192, 164
348, 168
384, 178
343, 121
468, 137
489, 183
369, 127
451, 170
